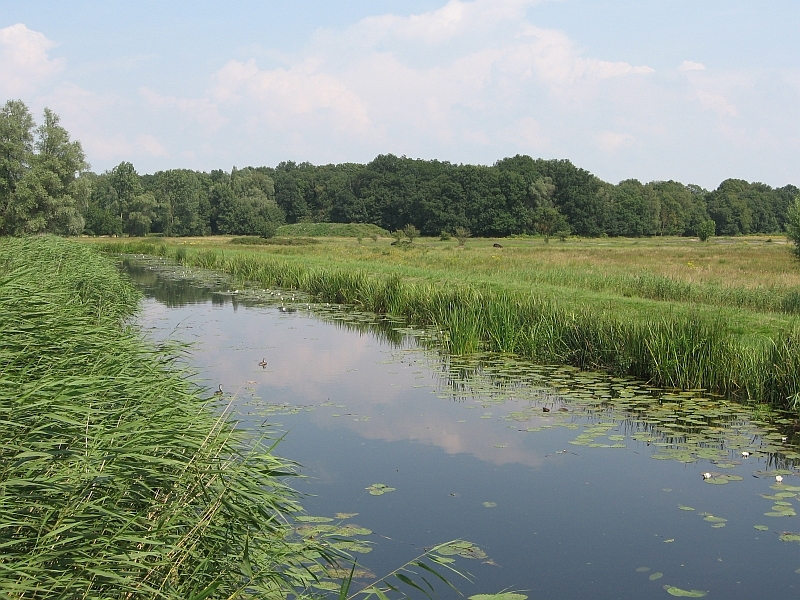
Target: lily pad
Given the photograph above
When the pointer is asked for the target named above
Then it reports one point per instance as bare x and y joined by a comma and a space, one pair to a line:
761, 527
462, 548
379, 489
656, 575
309, 519
713, 519
676, 591
490, 504
685, 508
642, 569
500, 596
346, 515
790, 537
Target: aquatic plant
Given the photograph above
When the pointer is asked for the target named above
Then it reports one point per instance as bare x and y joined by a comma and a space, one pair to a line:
117, 477
678, 347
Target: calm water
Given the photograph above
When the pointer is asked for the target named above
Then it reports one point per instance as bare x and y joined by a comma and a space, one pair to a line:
566, 502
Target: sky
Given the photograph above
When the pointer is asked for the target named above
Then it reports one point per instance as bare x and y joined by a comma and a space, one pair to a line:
692, 90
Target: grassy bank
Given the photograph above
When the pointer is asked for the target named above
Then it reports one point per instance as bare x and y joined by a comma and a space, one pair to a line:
117, 478
537, 301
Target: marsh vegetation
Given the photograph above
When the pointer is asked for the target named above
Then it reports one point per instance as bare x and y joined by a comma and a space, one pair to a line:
678, 314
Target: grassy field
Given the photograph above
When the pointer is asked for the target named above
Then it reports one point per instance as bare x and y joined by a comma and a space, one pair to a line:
721, 315
118, 477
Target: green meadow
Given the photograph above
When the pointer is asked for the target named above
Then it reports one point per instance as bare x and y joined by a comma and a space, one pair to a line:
720, 315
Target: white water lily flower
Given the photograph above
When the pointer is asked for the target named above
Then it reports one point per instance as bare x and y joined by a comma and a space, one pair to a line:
778, 478
745, 454
706, 475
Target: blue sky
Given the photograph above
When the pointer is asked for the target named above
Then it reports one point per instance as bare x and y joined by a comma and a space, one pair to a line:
696, 91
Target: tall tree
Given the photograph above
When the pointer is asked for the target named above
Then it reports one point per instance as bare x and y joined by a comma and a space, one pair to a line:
41, 191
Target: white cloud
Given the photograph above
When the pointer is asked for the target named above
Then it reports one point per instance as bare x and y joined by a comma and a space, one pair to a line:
689, 65
611, 141
201, 110
717, 103
282, 97
24, 60
380, 84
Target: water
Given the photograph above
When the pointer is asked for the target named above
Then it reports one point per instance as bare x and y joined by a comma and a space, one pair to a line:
569, 515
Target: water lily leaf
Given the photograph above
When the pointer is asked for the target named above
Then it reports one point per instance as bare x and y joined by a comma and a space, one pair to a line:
351, 529
642, 569
379, 489
500, 596
713, 519
761, 527
309, 519
462, 548
676, 591
346, 515
718, 525
490, 504
360, 548
655, 576
790, 537
685, 508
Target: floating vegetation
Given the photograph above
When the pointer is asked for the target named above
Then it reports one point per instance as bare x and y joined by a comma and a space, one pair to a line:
681, 348
499, 596
790, 537
761, 527
655, 576
642, 569
463, 549
676, 591
490, 504
379, 489
685, 508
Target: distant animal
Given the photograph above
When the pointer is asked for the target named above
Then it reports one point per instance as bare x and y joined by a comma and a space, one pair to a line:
545, 409
496, 245
219, 392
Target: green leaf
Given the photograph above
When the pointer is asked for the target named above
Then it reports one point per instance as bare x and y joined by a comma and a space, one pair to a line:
499, 596
676, 591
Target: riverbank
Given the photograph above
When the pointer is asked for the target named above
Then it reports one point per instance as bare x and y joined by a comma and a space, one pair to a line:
670, 311
120, 479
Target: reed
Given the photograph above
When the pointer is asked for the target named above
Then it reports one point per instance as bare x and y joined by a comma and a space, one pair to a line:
118, 479
678, 346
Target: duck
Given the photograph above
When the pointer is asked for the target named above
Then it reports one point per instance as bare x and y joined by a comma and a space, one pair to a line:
219, 392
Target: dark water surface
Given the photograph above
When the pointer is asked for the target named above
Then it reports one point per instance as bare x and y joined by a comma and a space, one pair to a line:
577, 505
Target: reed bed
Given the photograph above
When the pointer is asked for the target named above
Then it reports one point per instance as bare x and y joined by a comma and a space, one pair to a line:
684, 349
118, 479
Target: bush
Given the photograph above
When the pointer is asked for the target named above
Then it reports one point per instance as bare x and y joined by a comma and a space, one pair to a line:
706, 229
793, 225
462, 233
411, 232
445, 236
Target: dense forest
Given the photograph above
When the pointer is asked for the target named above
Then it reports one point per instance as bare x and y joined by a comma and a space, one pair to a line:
45, 186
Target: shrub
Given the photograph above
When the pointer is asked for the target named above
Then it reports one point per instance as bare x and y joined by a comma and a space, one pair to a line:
793, 225
706, 229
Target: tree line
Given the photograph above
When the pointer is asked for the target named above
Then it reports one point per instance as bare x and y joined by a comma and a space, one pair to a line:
45, 186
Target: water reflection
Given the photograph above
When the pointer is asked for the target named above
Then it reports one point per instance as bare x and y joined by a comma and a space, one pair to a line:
591, 476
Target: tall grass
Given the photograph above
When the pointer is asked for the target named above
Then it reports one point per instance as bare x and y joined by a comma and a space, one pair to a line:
117, 478
683, 349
